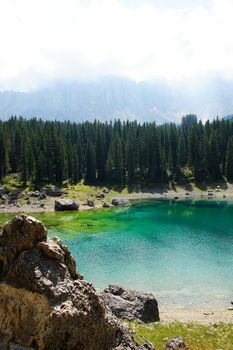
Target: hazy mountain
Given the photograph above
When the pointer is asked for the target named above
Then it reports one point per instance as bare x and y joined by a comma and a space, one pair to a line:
228, 117
111, 98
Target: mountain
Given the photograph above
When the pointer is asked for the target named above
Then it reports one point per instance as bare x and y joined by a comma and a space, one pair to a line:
110, 98
228, 117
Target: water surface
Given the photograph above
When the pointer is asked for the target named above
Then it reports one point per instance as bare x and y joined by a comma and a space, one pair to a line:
181, 251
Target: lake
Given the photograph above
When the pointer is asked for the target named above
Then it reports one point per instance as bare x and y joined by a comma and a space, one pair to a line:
182, 251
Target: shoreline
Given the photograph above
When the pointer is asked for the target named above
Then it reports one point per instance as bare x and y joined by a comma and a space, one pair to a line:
47, 205
197, 316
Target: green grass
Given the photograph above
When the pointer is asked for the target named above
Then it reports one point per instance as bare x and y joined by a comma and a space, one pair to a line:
196, 336
84, 191
12, 182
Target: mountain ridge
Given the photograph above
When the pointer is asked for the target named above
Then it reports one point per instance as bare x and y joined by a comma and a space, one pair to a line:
120, 98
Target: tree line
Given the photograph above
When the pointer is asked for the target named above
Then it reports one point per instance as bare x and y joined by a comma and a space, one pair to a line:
122, 153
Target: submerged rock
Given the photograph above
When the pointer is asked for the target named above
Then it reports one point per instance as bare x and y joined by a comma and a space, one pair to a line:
65, 204
121, 202
131, 305
44, 302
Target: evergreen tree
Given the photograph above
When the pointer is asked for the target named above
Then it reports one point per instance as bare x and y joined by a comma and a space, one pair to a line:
90, 176
114, 163
213, 165
24, 163
120, 152
182, 152
229, 160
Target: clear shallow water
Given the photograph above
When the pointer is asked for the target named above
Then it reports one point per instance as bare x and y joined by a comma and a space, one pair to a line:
181, 251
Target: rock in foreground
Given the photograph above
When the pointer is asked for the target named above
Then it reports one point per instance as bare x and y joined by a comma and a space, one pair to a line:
65, 205
44, 302
131, 305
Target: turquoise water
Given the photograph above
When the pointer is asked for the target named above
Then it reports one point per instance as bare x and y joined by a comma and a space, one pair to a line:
180, 251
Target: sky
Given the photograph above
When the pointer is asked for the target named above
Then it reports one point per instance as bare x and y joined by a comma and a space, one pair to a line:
174, 40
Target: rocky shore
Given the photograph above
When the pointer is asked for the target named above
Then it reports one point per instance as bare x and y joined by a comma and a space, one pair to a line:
45, 303
48, 199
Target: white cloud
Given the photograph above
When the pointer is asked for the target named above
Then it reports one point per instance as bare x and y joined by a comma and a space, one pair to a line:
43, 40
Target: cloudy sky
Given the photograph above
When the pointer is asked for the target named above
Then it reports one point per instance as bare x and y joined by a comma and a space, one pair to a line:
176, 40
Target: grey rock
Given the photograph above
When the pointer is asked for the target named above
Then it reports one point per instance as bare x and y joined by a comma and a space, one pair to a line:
34, 194
100, 195
65, 205
90, 203
4, 197
42, 195
148, 346
4, 190
115, 289
176, 343
53, 192
131, 305
121, 202
14, 194
106, 205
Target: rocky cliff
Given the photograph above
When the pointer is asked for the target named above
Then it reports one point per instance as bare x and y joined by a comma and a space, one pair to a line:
44, 303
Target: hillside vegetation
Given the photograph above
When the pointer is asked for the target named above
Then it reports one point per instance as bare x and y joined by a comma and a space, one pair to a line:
122, 154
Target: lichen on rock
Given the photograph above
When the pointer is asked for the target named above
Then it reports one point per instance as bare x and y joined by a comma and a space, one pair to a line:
44, 303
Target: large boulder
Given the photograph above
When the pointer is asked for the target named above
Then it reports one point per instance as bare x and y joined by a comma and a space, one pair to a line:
65, 204
131, 305
45, 303
121, 202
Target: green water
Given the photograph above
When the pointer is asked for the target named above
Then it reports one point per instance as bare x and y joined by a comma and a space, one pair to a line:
181, 251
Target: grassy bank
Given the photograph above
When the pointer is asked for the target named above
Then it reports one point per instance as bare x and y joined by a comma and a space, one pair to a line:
196, 336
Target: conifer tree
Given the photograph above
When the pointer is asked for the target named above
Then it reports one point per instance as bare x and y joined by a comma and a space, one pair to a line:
90, 176
229, 160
